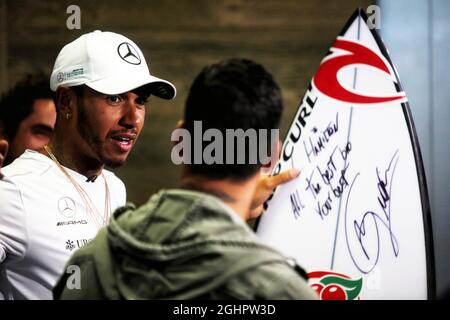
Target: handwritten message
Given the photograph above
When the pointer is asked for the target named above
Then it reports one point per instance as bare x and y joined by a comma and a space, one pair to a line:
329, 184
326, 182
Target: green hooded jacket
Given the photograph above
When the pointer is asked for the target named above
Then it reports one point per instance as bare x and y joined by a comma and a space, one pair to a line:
180, 245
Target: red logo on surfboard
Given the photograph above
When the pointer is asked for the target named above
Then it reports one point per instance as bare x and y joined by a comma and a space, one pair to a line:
326, 81
335, 286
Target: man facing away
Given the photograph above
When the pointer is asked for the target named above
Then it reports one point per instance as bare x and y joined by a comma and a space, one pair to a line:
54, 201
193, 242
27, 114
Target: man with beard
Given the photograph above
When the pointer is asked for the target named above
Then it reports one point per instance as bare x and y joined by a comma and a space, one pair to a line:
54, 201
192, 242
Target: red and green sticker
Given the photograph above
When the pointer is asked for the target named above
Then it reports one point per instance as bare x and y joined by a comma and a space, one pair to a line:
335, 286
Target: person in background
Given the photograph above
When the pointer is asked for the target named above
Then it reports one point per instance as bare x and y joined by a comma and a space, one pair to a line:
28, 115
3, 152
54, 201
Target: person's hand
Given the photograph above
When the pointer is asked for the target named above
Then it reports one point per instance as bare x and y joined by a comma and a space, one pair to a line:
265, 187
3, 151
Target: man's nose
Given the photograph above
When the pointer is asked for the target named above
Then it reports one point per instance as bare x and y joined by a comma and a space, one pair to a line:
131, 117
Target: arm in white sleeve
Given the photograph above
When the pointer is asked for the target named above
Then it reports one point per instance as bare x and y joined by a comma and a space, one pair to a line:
13, 228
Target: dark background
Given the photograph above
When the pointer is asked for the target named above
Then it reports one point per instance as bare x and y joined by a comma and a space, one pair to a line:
178, 38
290, 37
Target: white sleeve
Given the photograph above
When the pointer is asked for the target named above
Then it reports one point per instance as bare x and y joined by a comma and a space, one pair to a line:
13, 229
123, 193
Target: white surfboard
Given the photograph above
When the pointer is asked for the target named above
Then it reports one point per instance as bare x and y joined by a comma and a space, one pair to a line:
357, 219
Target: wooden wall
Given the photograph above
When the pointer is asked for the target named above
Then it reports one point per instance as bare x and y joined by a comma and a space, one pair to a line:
178, 37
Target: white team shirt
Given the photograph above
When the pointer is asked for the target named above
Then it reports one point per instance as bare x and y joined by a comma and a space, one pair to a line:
43, 220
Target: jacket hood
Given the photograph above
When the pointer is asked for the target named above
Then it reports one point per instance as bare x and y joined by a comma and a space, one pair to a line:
184, 243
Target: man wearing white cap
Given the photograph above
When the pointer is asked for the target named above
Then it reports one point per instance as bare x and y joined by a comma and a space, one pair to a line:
54, 201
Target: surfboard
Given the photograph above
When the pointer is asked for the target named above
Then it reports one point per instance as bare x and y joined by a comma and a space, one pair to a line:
357, 218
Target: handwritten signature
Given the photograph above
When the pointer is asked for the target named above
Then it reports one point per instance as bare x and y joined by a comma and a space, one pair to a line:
367, 229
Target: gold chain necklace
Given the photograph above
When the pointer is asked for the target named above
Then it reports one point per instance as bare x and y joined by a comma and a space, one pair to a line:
90, 207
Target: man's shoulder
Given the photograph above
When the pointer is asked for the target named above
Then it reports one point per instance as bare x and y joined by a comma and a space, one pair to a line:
29, 164
116, 186
264, 273
113, 178
270, 280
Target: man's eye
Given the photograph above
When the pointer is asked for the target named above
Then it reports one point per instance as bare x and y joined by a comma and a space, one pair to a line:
113, 99
42, 130
141, 101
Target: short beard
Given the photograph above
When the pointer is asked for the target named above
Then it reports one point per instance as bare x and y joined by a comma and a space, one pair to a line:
85, 129
113, 164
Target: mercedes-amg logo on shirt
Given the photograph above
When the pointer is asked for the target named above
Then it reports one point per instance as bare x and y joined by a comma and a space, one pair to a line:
67, 207
128, 53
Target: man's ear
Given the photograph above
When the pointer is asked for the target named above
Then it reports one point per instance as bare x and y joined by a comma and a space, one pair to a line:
65, 99
275, 155
3, 151
180, 124
278, 149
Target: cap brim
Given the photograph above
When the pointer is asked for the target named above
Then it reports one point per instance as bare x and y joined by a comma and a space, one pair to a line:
155, 86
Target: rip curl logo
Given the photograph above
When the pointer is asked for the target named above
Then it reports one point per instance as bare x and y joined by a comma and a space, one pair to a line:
335, 286
128, 53
326, 81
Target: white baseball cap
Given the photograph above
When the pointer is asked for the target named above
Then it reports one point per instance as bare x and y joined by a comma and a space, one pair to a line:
108, 63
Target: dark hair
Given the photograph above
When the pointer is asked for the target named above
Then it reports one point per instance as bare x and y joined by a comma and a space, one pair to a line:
232, 94
79, 90
17, 103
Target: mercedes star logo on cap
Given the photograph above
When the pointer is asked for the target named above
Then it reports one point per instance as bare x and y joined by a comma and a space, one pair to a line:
60, 77
128, 53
